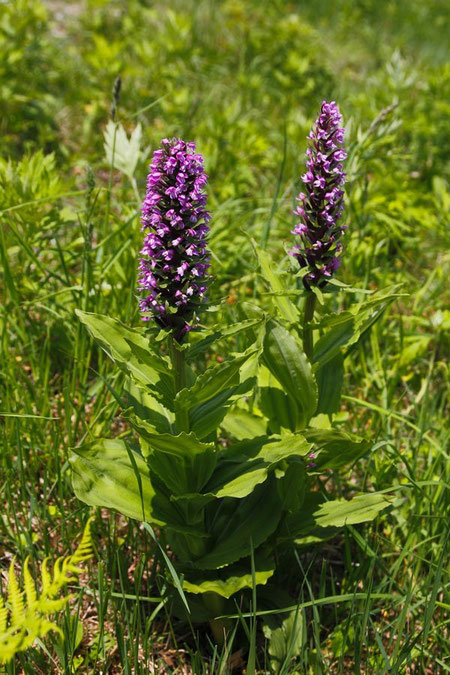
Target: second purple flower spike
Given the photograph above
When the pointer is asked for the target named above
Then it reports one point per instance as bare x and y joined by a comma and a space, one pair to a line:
322, 202
173, 270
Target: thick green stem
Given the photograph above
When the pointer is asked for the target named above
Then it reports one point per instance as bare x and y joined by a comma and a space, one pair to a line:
307, 330
179, 369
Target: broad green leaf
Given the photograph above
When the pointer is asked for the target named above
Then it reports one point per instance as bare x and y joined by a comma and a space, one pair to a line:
330, 377
193, 505
339, 330
369, 312
383, 297
360, 509
278, 407
216, 390
241, 424
149, 409
131, 351
301, 523
292, 486
337, 448
182, 462
243, 526
213, 381
286, 308
110, 474
231, 579
220, 332
292, 445
206, 417
121, 152
249, 464
283, 355
103, 475
318, 519
346, 288
346, 328
285, 641
248, 476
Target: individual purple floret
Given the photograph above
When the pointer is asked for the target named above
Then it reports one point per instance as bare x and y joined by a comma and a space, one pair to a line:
173, 270
322, 202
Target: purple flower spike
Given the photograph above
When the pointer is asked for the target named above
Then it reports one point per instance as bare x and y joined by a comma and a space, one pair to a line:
173, 268
322, 202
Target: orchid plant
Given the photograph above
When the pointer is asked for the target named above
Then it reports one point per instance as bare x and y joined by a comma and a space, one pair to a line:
227, 460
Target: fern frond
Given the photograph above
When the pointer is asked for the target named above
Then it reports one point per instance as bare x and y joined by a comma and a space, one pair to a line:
3, 616
24, 617
46, 578
83, 552
15, 597
48, 606
47, 626
28, 584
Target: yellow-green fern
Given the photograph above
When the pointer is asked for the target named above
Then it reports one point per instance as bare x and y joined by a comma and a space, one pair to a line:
25, 615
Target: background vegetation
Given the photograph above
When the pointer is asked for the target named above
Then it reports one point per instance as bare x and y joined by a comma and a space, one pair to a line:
244, 79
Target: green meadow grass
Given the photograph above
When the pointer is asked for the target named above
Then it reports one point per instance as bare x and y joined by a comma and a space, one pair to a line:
244, 79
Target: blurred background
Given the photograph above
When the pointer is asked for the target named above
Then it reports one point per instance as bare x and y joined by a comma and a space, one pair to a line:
244, 79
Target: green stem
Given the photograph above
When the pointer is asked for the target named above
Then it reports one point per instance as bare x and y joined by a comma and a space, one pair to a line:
307, 330
179, 369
